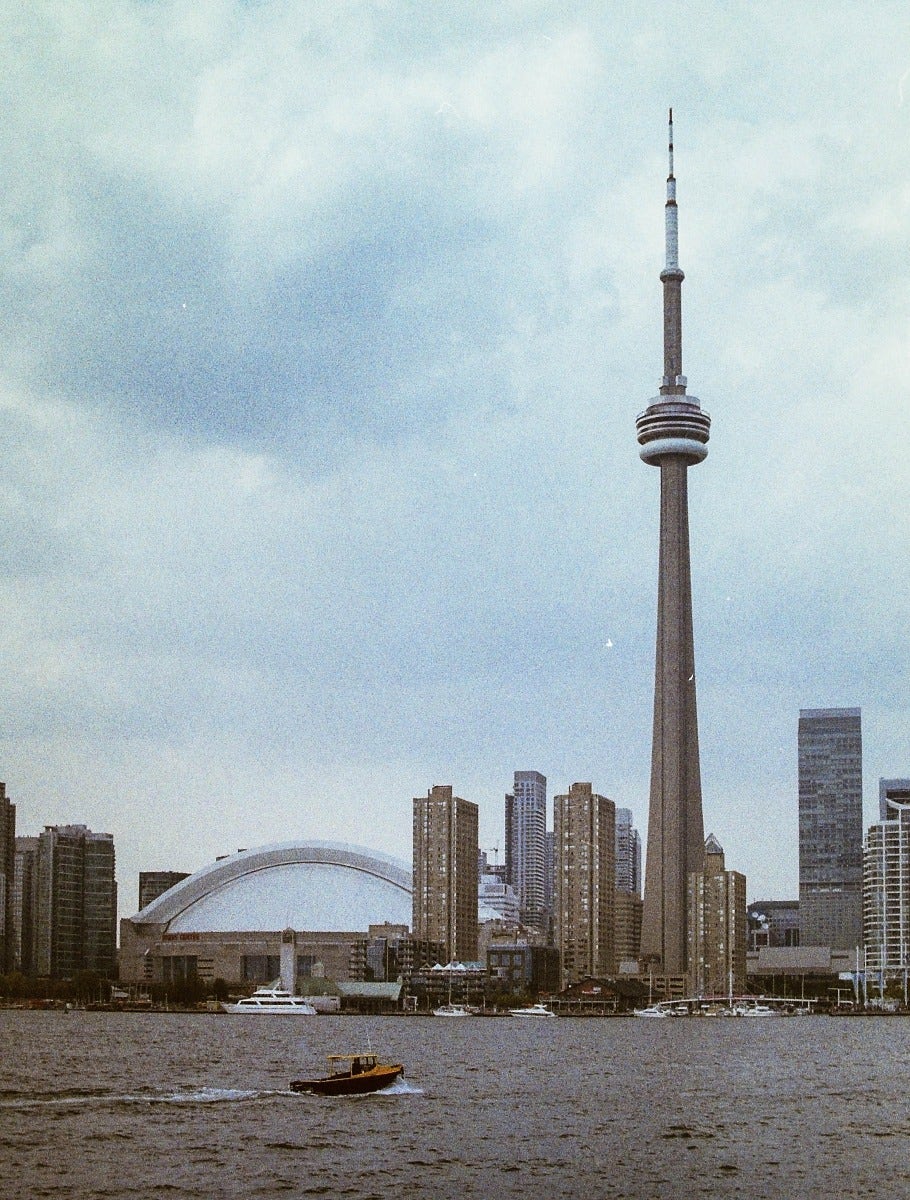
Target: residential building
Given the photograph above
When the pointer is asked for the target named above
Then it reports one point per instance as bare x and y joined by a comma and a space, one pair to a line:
76, 919
627, 920
445, 872
585, 874
717, 926
7, 867
628, 854
25, 904
892, 790
886, 891
526, 832
496, 900
830, 828
153, 884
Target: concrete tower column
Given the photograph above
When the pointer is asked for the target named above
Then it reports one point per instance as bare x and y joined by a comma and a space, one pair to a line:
673, 434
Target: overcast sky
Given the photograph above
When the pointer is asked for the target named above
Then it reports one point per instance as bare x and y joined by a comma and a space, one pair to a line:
324, 328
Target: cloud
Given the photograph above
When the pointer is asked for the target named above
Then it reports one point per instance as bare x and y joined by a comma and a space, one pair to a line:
325, 330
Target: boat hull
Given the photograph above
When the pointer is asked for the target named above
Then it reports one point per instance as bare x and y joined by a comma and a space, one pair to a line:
266, 1010
351, 1085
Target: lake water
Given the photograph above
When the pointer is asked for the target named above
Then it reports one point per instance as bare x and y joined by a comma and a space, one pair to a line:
108, 1105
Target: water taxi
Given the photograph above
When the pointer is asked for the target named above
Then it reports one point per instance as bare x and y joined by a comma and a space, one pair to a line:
351, 1075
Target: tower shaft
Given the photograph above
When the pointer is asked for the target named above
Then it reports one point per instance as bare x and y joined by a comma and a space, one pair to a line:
675, 823
673, 433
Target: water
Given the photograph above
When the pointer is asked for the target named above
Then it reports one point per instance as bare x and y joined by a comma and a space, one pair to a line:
108, 1105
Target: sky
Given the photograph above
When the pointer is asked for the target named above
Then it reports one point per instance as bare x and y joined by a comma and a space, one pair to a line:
324, 329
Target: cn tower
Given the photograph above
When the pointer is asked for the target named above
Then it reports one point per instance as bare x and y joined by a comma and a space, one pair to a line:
673, 434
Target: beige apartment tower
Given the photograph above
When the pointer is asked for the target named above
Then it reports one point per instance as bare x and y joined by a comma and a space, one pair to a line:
717, 926
584, 879
445, 872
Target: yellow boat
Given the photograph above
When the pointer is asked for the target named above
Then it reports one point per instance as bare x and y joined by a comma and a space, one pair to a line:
351, 1075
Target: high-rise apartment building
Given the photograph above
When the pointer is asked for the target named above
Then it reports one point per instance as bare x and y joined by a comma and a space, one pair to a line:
76, 919
628, 854
7, 866
890, 793
526, 833
673, 435
627, 926
717, 926
25, 904
445, 872
830, 754
585, 874
153, 884
886, 885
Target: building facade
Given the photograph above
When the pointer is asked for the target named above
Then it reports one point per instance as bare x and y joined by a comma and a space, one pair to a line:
322, 904
153, 884
892, 791
886, 891
717, 926
628, 854
773, 923
76, 907
585, 888
830, 755
526, 832
673, 435
627, 925
7, 869
445, 872
25, 905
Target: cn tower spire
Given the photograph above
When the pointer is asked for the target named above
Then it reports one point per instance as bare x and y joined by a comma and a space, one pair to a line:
671, 219
673, 435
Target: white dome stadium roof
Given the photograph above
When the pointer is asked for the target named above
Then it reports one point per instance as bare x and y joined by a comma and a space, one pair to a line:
309, 887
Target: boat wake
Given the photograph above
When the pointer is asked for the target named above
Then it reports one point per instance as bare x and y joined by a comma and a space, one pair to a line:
205, 1095
401, 1087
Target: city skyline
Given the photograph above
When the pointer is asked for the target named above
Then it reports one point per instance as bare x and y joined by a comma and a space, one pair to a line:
323, 336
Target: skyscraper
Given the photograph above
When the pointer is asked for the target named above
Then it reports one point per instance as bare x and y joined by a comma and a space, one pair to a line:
585, 848
445, 872
717, 926
25, 904
891, 792
628, 888
76, 919
628, 854
7, 866
830, 754
673, 434
886, 888
526, 832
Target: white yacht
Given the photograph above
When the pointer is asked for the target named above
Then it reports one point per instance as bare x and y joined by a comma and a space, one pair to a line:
756, 1010
272, 1000
532, 1010
652, 1010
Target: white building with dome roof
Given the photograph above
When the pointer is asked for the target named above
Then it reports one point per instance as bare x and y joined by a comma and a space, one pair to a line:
229, 919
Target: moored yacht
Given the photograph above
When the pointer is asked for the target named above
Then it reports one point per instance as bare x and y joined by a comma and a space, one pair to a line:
272, 1000
532, 1010
453, 1010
